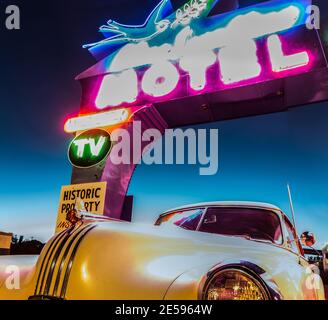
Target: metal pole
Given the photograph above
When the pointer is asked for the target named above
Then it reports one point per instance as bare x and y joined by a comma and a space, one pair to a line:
291, 205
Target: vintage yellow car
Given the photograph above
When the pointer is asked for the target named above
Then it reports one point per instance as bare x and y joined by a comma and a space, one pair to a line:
209, 251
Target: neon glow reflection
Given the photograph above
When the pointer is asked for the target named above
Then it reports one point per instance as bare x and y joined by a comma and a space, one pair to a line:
139, 70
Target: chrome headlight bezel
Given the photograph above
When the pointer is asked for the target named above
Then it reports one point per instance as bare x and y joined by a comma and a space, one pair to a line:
244, 272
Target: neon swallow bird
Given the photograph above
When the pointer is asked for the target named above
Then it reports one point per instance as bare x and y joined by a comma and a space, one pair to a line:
160, 20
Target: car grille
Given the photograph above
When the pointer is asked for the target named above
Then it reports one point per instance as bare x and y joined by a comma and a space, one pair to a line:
57, 263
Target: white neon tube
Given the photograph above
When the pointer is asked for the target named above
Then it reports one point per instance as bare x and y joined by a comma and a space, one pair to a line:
98, 120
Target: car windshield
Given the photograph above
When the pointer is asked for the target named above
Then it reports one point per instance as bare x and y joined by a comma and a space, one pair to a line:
255, 224
187, 219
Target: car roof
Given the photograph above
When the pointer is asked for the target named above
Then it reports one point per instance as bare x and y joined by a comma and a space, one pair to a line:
241, 204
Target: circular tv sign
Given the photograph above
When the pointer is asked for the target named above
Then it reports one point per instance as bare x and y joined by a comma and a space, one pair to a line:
89, 148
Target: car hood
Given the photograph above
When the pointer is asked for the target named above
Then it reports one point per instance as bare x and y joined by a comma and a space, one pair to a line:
138, 261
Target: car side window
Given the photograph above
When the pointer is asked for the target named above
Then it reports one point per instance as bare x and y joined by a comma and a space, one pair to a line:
292, 239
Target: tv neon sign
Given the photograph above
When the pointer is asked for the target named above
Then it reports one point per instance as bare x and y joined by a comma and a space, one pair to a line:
187, 53
89, 148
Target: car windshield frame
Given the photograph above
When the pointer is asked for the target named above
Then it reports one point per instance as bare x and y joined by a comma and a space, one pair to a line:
206, 208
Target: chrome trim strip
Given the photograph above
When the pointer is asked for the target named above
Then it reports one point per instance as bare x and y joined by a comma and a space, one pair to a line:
70, 263
55, 258
69, 246
47, 256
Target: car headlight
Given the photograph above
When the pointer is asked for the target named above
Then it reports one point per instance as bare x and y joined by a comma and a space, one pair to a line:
234, 284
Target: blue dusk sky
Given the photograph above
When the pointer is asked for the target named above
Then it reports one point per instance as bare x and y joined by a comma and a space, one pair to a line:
258, 156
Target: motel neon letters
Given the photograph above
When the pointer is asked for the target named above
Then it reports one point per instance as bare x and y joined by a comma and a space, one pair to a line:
233, 48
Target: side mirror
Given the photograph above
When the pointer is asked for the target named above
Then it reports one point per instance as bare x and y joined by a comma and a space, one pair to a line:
308, 239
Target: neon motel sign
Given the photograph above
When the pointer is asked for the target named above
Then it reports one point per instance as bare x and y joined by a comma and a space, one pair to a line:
187, 53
